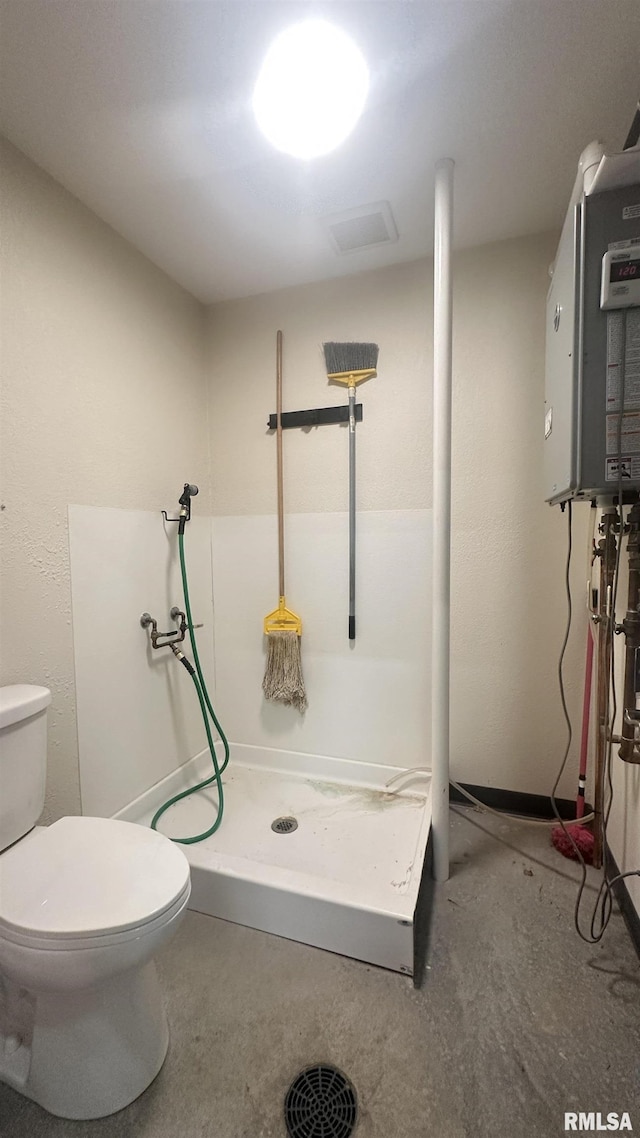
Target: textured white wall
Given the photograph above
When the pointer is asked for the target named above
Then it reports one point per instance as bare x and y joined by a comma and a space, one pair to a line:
103, 403
508, 546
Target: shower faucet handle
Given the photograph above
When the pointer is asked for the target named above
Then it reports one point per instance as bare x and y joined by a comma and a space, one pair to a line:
175, 612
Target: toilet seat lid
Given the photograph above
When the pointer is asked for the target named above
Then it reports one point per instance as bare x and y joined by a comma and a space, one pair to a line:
83, 877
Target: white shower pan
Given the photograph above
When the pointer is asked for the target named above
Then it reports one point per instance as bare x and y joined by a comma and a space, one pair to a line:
346, 879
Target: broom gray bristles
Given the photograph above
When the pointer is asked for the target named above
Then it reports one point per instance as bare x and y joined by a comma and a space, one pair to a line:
283, 680
349, 357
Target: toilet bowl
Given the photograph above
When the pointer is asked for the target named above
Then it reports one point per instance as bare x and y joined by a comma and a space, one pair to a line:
85, 904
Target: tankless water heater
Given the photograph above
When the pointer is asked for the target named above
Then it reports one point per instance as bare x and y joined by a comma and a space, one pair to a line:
593, 310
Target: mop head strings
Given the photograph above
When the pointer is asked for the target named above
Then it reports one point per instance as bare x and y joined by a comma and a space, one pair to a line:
283, 680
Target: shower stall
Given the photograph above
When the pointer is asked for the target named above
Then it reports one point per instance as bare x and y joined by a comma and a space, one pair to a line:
314, 849
313, 844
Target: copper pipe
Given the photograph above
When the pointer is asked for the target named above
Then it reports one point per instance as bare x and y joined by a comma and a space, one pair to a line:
631, 627
606, 551
632, 636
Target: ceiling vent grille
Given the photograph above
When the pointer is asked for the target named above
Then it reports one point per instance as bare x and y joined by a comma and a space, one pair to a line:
361, 228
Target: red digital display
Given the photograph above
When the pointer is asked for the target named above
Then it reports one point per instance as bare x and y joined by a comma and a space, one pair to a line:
624, 271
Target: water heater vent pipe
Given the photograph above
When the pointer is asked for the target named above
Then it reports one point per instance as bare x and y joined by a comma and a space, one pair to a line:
440, 668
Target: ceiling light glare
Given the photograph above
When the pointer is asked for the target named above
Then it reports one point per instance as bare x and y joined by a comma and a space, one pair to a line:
311, 89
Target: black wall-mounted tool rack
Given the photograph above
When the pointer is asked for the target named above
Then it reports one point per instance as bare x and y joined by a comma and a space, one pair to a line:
315, 417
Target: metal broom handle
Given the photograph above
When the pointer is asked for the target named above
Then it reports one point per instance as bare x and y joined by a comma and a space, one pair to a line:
279, 463
352, 512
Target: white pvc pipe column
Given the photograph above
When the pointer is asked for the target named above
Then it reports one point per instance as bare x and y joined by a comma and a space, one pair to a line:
442, 339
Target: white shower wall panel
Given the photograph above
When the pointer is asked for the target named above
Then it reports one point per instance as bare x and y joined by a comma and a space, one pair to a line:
368, 699
138, 717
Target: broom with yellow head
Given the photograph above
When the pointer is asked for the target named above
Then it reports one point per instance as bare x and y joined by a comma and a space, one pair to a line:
283, 680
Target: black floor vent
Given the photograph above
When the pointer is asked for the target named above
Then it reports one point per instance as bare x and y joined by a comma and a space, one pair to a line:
320, 1103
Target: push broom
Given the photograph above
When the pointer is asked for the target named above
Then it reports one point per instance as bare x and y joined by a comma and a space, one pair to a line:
351, 364
283, 680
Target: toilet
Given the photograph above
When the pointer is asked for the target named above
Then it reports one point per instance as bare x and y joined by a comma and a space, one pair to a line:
85, 904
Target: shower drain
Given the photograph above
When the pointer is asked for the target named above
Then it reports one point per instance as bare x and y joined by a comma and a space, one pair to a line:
284, 825
320, 1103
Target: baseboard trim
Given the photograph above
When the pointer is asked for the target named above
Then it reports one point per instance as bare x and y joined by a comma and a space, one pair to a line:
516, 801
623, 897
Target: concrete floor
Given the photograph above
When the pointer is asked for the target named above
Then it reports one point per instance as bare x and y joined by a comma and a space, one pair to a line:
517, 1021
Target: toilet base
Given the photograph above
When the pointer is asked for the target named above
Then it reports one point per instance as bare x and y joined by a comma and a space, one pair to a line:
88, 1053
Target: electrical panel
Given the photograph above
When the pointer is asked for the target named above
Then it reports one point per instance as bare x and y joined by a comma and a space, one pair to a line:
593, 321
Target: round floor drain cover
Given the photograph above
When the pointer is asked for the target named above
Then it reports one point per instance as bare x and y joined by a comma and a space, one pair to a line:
320, 1103
284, 825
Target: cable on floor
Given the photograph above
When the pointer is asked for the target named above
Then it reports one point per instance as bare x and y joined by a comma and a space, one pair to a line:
483, 806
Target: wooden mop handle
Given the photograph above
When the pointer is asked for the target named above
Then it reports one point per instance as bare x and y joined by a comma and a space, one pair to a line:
279, 462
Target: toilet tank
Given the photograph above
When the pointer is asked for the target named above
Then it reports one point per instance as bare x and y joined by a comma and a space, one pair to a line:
23, 758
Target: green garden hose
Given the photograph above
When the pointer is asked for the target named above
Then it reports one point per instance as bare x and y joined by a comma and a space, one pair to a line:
205, 705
